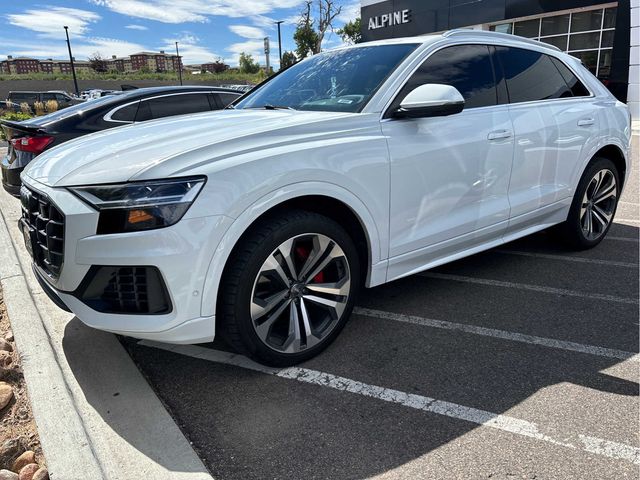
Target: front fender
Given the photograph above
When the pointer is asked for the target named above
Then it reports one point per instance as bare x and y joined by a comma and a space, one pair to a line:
377, 243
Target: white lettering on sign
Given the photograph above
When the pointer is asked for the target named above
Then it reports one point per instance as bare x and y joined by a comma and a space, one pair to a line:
390, 19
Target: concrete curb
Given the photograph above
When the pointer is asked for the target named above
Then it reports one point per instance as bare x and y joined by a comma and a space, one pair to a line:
96, 415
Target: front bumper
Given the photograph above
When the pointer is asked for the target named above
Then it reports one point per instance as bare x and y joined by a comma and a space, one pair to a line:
182, 254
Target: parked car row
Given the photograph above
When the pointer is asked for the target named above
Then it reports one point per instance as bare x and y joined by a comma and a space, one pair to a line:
354, 167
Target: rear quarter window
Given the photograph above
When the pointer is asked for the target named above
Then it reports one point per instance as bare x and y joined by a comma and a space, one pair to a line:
577, 87
227, 98
126, 113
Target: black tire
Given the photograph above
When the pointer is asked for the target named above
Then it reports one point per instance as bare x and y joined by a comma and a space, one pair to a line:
235, 324
571, 231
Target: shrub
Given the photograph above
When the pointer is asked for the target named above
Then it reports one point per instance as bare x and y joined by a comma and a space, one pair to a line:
51, 106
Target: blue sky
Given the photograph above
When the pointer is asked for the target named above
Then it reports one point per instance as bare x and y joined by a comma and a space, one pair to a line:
205, 29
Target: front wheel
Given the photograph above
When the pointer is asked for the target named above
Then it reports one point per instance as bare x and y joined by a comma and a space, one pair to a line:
289, 288
594, 205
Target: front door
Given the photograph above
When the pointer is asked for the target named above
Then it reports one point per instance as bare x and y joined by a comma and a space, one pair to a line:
449, 175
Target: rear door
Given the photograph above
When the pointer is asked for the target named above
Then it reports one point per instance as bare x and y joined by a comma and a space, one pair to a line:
449, 175
553, 118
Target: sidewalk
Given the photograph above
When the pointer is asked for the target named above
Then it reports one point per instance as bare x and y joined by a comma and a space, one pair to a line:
96, 415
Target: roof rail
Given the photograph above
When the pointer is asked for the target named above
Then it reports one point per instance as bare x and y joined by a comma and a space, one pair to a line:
506, 36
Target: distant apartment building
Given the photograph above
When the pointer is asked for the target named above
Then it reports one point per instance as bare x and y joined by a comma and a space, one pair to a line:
155, 62
20, 65
151, 61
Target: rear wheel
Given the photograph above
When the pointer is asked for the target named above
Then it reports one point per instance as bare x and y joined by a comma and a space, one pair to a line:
289, 288
593, 206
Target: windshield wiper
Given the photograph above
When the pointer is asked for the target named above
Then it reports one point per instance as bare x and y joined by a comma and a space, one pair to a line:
268, 106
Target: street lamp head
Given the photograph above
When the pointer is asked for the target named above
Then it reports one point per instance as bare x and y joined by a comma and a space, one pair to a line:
66, 27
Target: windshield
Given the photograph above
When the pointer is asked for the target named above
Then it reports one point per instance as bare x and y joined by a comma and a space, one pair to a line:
335, 81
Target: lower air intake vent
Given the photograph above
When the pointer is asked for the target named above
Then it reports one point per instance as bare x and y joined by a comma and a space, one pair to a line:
126, 290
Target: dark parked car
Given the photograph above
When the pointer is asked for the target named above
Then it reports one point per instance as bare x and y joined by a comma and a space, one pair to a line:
63, 99
29, 138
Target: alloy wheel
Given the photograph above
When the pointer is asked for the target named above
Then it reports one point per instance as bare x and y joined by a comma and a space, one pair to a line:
598, 204
300, 293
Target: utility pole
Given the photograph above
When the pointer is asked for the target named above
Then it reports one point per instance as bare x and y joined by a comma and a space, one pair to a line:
267, 50
279, 22
73, 68
179, 64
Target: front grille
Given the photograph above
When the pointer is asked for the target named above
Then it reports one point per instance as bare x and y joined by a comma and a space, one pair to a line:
120, 289
47, 224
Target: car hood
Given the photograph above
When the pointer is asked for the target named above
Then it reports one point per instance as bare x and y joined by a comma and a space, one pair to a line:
173, 146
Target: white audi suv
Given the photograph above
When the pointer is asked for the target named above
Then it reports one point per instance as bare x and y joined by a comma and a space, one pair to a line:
352, 168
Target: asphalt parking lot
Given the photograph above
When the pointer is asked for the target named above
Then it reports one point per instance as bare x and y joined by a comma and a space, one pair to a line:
515, 363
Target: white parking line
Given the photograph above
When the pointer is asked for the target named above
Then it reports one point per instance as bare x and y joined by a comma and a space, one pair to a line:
504, 423
622, 239
501, 334
553, 256
525, 286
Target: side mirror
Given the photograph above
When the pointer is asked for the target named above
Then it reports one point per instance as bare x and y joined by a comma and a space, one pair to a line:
431, 100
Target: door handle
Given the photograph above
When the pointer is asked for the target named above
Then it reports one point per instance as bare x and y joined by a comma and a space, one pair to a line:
585, 122
499, 134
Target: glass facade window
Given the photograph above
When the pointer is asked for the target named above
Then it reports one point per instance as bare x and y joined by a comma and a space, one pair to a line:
587, 35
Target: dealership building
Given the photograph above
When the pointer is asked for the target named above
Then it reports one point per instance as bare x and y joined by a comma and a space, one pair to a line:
603, 35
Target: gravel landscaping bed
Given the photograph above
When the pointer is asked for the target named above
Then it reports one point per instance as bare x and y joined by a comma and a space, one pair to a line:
21, 456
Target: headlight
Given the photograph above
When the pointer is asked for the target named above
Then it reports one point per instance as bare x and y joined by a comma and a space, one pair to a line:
134, 206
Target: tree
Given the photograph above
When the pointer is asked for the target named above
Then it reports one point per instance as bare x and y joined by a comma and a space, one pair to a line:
305, 35
351, 32
311, 31
248, 64
98, 63
288, 59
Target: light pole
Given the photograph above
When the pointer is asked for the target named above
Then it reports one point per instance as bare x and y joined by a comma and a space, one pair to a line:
279, 22
73, 68
179, 64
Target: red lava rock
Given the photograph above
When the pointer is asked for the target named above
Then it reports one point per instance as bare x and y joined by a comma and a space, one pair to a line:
25, 459
6, 394
28, 471
41, 474
7, 475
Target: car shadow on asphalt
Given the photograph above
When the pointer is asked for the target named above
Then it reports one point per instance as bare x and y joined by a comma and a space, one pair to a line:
245, 424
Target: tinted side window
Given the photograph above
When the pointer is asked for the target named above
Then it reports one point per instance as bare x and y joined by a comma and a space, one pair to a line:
466, 67
227, 98
531, 76
48, 96
177, 105
126, 114
577, 87
23, 97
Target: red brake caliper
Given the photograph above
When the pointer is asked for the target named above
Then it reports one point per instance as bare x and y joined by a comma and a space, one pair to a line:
303, 253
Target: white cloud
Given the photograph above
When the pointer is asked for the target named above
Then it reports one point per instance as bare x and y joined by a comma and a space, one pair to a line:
349, 12
246, 31
182, 11
136, 27
49, 21
253, 47
82, 48
190, 49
